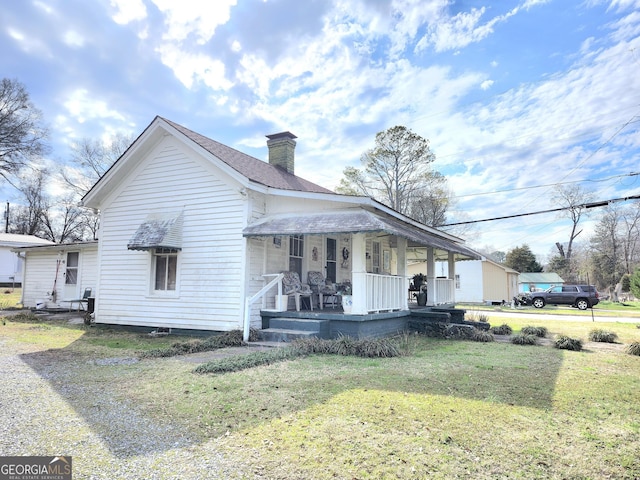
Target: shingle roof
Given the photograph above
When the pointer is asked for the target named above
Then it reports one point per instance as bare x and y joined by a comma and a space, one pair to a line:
254, 169
17, 240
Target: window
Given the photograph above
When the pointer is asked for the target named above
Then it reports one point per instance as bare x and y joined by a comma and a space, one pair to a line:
375, 257
457, 280
71, 277
296, 252
165, 262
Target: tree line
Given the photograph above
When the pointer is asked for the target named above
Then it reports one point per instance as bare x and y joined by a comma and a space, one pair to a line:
397, 171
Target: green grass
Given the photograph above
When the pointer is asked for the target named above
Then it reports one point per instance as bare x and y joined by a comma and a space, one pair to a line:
603, 309
449, 409
10, 298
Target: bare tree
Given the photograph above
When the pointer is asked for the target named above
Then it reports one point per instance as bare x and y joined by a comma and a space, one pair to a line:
398, 173
630, 236
27, 219
90, 159
64, 223
573, 199
22, 135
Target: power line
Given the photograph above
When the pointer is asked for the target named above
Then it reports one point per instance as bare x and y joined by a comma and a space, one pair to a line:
602, 203
631, 174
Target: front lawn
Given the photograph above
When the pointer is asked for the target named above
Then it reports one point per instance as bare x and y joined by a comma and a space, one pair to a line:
451, 409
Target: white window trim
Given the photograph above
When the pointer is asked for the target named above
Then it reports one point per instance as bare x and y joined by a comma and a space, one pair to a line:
152, 277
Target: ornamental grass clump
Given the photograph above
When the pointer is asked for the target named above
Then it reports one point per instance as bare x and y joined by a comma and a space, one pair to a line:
565, 342
633, 349
232, 338
524, 339
540, 332
482, 336
604, 336
503, 329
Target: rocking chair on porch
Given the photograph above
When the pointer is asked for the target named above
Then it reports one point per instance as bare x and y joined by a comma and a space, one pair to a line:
293, 286
325, 290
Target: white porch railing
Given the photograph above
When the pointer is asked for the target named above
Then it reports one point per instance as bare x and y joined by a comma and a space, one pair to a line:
445, 291
277, 281
385, 292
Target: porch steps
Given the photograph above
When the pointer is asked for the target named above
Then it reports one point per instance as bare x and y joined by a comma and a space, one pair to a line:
284, 335
288, 329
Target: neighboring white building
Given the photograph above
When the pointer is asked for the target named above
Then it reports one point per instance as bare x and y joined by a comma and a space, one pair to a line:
11, 264
478, 281
191, 228
57, 274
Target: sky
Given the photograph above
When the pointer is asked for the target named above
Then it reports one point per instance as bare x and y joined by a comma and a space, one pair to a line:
514, 96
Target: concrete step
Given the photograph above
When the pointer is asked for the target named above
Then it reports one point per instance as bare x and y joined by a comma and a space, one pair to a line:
306, 324
283, 334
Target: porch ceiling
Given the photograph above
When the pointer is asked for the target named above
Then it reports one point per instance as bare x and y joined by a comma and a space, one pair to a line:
356, 220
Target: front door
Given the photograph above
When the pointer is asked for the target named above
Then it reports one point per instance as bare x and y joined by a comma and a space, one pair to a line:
71, 275
331, 259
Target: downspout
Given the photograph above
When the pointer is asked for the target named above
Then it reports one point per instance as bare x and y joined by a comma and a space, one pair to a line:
23, 255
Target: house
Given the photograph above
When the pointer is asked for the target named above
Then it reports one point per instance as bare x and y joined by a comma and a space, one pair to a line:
481, 281
11, 264
195, 235
57, 274
536, 281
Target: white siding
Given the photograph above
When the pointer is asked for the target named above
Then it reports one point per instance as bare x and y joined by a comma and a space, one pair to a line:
209, 294
10, 266
471, 280
42, 272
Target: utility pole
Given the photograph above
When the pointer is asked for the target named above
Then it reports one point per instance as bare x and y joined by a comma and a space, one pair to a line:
6, 217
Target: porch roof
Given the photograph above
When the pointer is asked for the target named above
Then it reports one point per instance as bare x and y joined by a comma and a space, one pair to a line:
356, 220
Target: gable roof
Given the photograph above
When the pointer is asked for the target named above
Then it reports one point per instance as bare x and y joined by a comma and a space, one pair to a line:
254, 170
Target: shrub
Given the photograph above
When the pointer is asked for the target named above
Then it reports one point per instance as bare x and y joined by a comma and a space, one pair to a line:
251, 360
605, 336
565, 342
633, 349
524, 339
476, 316
27, 317
232, 338
503, 329
345, 345
536, 331
482, 336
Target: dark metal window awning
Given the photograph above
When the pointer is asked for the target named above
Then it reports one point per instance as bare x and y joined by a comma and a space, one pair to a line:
356, 220
159, 230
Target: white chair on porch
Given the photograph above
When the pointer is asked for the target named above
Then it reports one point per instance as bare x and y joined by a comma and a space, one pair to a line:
291, 285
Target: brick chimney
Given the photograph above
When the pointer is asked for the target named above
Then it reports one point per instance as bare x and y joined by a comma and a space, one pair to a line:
281, 150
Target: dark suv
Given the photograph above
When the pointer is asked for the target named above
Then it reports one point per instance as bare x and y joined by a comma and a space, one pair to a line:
581, 296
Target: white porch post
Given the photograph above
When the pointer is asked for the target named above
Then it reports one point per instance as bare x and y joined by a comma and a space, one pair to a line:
358, 274
431, 277
452, 274
402, 266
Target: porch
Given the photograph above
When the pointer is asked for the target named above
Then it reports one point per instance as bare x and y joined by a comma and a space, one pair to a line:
333, 322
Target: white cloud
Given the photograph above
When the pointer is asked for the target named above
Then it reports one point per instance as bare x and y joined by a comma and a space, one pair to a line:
83, 106
128, 11
194, 17
73, 39
486, 85
192, 67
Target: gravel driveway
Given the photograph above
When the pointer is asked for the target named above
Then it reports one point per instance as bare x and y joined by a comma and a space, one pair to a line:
44, 412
